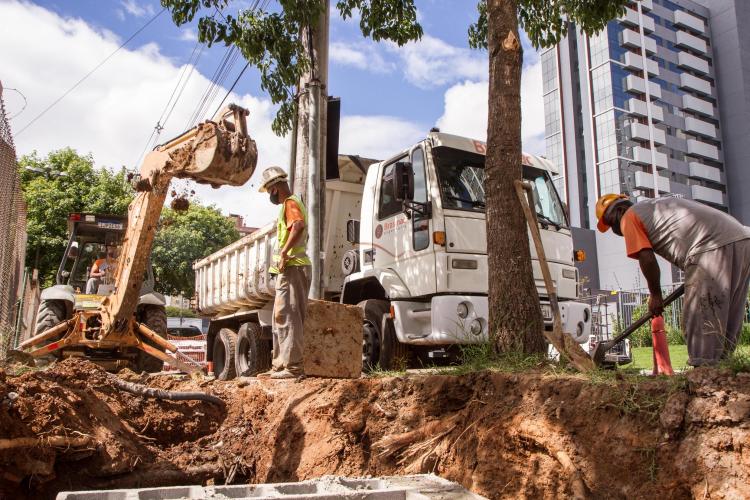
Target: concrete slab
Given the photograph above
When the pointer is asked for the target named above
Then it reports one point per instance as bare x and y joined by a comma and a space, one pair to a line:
333, 340
414, 487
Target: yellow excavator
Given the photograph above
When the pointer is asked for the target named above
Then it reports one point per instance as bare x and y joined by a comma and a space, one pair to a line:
117, 329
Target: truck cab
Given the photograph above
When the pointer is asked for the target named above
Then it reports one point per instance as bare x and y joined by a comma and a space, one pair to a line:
422, 276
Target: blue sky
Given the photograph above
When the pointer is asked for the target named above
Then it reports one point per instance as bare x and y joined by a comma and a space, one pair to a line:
390, 96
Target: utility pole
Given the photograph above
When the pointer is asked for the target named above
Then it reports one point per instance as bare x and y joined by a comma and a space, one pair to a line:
310, 152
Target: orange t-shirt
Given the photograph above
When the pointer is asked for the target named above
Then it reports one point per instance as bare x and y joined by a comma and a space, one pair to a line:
634, 232
292, 213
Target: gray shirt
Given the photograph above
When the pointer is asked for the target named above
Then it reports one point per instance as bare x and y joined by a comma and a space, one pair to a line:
679, 229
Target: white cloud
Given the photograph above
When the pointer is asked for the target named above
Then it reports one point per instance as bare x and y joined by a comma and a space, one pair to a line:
188, 35
364, 56
431, 62
377, 137
138, 10
466, 109
113, 112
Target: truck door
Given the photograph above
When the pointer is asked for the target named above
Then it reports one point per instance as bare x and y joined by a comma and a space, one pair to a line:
401, 243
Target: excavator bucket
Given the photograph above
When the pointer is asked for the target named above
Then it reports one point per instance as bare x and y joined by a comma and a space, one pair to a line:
222, 152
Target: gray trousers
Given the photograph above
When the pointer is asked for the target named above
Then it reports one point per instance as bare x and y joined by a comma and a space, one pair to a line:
92, 285
716, 284
289, 307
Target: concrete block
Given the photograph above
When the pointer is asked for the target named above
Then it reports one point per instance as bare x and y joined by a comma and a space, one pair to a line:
333, 340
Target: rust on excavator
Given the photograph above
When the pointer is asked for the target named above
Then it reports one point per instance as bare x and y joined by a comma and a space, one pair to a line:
216, 152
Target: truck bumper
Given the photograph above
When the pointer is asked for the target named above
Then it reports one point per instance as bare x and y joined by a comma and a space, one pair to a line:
440, 321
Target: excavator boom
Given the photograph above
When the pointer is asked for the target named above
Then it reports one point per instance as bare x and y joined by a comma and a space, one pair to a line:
217, 152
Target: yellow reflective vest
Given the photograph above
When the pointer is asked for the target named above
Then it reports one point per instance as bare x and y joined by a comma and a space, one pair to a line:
297, 255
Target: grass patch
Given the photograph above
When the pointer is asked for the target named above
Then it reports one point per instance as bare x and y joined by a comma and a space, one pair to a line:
480, 357
643, 358
739, 361
378, 372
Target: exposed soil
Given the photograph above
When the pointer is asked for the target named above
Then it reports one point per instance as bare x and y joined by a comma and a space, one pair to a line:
531, 435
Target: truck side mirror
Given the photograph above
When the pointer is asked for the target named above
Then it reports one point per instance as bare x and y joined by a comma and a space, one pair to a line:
352, 231
403, 181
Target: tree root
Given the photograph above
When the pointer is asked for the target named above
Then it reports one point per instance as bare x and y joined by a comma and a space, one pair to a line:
150, 392
51, 441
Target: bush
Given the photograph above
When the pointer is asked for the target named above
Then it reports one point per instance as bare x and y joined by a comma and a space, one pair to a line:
744, 335
176, 312
642, 336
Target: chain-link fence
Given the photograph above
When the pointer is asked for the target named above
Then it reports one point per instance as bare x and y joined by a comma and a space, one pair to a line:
12, 236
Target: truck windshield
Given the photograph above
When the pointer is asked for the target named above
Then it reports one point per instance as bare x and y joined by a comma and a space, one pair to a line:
461, 176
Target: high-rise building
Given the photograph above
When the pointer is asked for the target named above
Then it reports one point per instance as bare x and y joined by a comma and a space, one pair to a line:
636, 109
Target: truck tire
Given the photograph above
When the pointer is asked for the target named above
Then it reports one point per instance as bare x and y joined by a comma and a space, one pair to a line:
224, 349
393, 354
51, 313
154, 317
373, 310
252, 351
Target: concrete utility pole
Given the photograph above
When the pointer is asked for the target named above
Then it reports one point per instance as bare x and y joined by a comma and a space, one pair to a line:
310, 152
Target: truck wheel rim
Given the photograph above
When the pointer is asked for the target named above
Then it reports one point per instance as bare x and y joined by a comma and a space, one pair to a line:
368, 344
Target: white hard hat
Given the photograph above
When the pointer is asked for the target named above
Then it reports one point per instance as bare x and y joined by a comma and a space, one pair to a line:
270, 176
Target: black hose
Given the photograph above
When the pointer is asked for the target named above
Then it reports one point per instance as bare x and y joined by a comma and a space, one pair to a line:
150, 392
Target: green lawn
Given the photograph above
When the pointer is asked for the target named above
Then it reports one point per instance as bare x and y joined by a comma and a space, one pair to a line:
643, 357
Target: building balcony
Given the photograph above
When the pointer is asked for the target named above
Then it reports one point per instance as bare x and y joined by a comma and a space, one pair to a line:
704, 172
630, 18
631, 39
637, 107
652, 67
687, 41
691, 82
635, 84
650, 46
660, 136
702, 149
689, 61
700, 127
684, 20
707, 195
643, 156
654, 90
633, 61
657, 113
646, 5
645, 180
696, 105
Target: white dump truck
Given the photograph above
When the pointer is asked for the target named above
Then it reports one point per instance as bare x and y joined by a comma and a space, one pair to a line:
405, 239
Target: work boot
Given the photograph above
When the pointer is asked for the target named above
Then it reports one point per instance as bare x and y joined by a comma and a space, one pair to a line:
267, 374
283, 374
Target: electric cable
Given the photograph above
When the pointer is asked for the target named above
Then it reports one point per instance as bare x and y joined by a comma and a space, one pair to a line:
75, 85
231, 88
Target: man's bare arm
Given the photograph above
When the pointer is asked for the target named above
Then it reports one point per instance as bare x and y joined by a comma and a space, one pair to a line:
650, 269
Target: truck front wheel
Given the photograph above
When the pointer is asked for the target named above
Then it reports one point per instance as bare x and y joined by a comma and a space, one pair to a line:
252, 351
224, 350
373, 310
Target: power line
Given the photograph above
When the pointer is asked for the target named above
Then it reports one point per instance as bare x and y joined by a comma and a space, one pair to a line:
231, 88
90, 72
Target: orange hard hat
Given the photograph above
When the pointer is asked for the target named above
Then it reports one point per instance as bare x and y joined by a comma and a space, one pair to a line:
602, 204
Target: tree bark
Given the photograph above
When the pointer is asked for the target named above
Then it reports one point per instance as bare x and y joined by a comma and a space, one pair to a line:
515, 316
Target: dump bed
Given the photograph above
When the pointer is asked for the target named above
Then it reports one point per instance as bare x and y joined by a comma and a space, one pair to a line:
235, 279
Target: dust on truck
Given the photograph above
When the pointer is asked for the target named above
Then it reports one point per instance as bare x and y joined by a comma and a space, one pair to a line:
404, 239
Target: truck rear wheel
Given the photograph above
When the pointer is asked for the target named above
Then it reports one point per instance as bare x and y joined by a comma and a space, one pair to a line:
224, 350
154, 317
374, 310
252, 352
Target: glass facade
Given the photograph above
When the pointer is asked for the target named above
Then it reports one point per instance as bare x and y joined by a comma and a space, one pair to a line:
552, 118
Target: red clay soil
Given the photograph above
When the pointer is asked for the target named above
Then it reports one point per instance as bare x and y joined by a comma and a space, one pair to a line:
531, 435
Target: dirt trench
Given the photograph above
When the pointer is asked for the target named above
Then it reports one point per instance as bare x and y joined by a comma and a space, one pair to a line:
530, 435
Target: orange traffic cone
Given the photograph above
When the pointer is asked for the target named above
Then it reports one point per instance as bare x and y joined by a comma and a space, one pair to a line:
662, 363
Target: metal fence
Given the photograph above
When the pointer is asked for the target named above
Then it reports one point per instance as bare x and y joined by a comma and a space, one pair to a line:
613, 312
12, 235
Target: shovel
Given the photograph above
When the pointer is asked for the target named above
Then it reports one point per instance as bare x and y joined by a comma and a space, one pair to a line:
603, 347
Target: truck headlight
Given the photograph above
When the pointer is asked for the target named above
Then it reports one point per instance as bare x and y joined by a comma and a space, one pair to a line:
462, 309
476, 326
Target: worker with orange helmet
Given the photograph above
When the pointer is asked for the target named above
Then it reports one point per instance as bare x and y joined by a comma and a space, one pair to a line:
711, 247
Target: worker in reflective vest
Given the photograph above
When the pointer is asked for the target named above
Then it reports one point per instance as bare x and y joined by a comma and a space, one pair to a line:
292, 269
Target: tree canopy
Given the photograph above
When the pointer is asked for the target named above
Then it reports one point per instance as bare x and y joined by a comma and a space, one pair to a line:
184, 237
51, 197
273, 43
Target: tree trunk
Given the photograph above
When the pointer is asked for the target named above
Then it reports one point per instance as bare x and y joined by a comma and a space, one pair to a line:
515, 317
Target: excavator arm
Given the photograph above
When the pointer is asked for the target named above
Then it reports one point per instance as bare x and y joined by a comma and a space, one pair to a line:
217, 152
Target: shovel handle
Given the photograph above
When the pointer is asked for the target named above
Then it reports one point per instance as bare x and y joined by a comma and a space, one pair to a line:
677, 293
